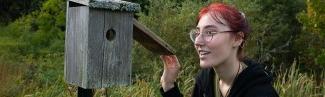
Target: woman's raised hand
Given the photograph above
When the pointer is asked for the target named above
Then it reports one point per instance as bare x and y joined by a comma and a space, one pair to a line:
171, 70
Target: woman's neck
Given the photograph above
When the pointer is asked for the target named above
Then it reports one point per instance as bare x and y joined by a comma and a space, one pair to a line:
228, 70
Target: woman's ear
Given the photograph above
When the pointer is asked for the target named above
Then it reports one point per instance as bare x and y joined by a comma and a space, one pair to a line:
239, 38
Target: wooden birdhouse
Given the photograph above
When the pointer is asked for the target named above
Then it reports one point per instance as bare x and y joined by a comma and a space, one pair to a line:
98, 42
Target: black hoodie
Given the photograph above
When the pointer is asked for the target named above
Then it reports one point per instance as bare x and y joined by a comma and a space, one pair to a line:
254, 81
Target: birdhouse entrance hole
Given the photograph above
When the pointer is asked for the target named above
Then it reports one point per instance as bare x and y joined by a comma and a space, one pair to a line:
110, 34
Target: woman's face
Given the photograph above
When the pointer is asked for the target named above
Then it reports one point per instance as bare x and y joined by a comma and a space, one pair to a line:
221, 46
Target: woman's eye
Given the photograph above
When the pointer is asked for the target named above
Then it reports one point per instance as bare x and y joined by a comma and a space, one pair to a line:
209, 33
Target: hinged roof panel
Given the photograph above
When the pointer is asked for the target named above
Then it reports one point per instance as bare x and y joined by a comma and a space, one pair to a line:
115, 5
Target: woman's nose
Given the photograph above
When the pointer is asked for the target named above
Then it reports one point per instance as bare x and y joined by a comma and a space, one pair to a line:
199, 41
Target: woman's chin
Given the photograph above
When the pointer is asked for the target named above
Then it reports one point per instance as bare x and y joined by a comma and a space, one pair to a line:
204, 64
209, 64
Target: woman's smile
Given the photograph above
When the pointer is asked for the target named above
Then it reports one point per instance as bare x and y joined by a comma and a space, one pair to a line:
203, 54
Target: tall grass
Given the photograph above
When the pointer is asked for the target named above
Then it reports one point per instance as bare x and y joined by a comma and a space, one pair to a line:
289, 83
293, 83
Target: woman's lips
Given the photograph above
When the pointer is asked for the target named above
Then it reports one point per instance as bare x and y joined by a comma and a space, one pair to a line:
203, 53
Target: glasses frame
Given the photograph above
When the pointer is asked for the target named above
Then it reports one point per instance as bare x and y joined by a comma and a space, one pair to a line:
204, 35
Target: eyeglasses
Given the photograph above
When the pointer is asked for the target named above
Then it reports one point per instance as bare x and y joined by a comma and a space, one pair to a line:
206, 35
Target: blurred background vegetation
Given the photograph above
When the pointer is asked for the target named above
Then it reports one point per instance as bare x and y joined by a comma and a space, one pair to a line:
288, 36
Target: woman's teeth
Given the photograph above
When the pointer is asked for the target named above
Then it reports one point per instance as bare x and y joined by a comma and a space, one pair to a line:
203, 52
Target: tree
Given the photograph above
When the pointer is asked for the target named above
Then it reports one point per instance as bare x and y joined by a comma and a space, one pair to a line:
13, 9
313, 20
274, 29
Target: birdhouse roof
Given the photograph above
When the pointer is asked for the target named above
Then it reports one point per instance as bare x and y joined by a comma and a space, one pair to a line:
115, 5
150, 40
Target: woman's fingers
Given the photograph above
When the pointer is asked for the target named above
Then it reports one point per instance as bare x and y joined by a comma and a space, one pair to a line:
174, 60
171, 70
170, 61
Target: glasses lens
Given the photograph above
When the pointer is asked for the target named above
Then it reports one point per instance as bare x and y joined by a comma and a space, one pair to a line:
193, 35
208, 37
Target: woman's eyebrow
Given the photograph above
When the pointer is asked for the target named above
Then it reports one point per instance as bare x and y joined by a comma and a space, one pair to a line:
208, 26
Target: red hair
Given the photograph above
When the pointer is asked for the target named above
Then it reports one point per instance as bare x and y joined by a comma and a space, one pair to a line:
235, 20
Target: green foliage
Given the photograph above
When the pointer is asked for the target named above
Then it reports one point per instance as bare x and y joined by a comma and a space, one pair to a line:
13, 9
39, 30
313, 20
44, 77
320, 59
33, 45
274, 29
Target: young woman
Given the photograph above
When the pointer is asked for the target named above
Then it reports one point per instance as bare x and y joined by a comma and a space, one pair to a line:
219, 39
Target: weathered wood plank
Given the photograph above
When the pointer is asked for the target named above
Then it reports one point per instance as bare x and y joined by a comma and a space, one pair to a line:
117, 52
92, 61
69, 57
95, 47
76, 44
66, 47
150, 40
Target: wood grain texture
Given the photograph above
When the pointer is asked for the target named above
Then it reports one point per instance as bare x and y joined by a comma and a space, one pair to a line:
76, 44
150, 40
117, 53
95, 47
92, 61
